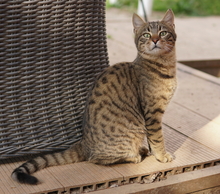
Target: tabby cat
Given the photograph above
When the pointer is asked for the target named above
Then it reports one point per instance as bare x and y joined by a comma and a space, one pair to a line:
125, 105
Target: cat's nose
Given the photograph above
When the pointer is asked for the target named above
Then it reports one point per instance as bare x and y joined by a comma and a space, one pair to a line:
155, 40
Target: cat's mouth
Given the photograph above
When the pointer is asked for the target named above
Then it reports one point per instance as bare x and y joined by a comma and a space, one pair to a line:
155, 47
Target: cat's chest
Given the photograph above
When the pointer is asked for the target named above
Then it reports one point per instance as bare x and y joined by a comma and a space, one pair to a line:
157, 90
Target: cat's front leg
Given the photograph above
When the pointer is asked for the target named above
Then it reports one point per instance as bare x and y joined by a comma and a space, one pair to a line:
156, 140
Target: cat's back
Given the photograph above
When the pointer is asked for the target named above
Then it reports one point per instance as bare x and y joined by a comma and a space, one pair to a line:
113, 95
115, 80
118, 73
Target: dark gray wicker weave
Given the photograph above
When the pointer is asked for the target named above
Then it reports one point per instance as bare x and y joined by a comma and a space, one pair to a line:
50, 53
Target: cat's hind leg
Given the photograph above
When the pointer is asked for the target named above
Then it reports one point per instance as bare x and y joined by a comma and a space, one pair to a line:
116, 160
143, 151
135, 160
105, 160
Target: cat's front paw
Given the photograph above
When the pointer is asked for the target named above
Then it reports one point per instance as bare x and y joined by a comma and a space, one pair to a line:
167, 157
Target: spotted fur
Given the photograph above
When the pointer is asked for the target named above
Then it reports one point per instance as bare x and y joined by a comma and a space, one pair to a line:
125, 106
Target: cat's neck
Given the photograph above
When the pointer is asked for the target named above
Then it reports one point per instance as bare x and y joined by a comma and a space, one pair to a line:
164, 64
163, 60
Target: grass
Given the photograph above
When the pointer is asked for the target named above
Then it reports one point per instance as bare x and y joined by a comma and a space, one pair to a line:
130, 5
189, 7
109, 36
186, 7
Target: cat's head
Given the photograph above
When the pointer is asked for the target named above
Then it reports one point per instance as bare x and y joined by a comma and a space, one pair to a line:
155, 38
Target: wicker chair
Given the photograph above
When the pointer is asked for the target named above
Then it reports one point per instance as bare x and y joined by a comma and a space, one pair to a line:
50, 54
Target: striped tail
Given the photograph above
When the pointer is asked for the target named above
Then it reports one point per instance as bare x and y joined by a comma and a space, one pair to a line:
22, 173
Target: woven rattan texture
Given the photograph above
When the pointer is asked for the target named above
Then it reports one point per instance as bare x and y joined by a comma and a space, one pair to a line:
50, 53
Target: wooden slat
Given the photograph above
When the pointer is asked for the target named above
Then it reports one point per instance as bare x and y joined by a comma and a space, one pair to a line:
202, 64
84, 174
213, 190
178, 184
49, 182
205, 76
188, 153
193, 125
183, 119
200, 94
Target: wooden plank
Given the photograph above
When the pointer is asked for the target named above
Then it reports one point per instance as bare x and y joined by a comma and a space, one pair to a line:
183, 183
205, 76
197, 93
211, 67
182, 145
209, 135
85, 175
213, 190
7, 184
202, 64
5, 187
183, 119
195, 109
188, 152
193, 125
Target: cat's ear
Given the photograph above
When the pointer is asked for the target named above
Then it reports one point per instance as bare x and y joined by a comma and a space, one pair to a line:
137, 22
169, 18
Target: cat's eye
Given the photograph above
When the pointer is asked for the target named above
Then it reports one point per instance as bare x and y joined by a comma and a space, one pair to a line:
164, 33
146, 35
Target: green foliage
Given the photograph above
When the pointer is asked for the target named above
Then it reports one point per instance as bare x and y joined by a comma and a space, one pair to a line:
189, 7
130, 4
